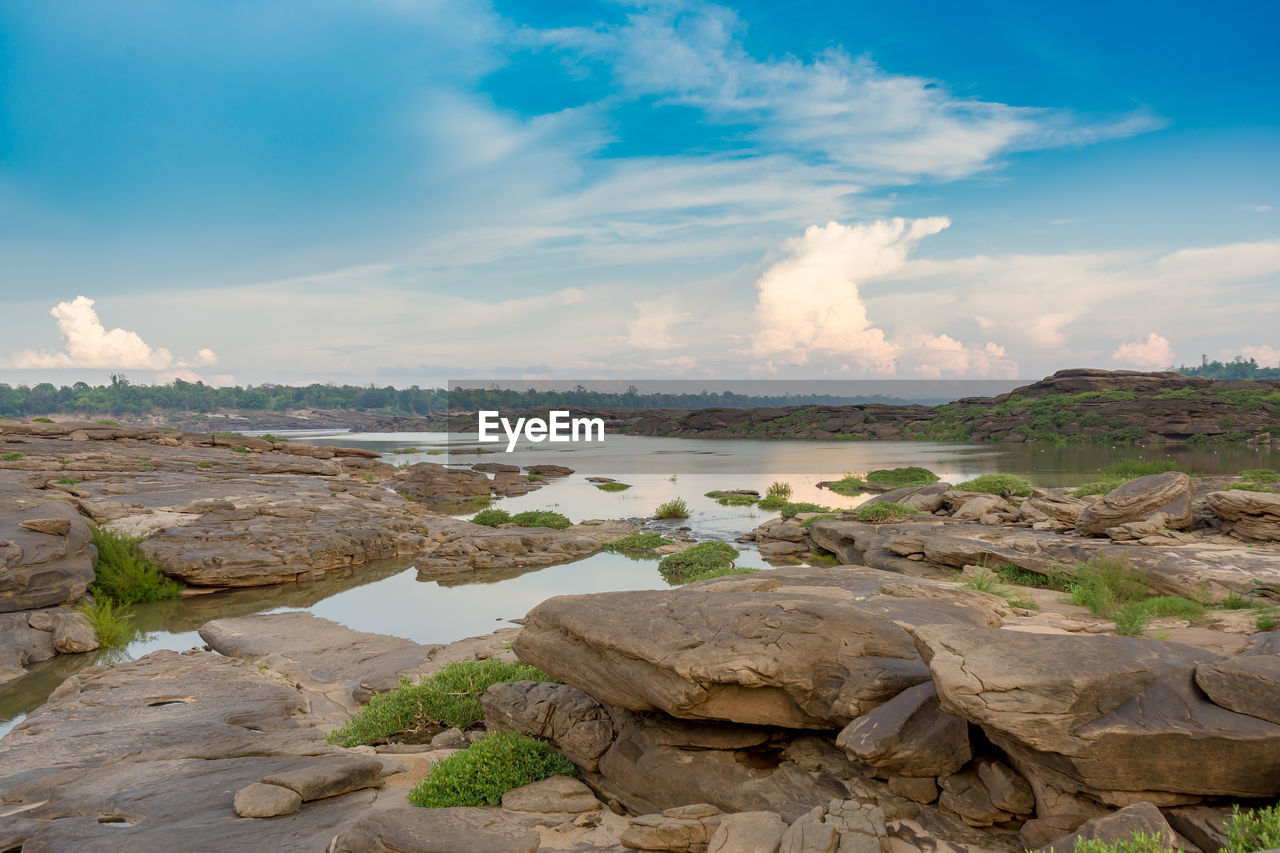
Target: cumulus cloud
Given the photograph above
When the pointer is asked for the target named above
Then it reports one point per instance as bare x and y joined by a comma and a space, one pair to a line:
89, 344
1264, 354
1154, 353
809, 307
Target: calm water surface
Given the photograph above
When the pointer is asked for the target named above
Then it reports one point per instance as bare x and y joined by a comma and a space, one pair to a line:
387, 597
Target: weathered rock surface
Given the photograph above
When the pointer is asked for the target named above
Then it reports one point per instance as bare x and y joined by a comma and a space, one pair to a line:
40, 566
799, 648
261, 800
73, 633
457, 830
1140, 817
841, 826
330, 776
1248, 684
910, 735
683, 829
1098, 713
483, 547
556, 794
1249, 515
579, 725
747, 832
1167, 494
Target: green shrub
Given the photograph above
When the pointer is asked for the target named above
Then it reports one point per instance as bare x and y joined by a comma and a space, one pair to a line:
541, 518
902, 477
482, 773
641, 540
681, 567
1246, 487
491, 517
240, 448
808, 522
1132, 619
107, 422
1175, 607
1005, 485
724, 571
884, 512
1100, 487
849, 485
614, 486
451, 697
1105, 585
1236, 602
987, 581
12, 457
1131, 469
1138, 842
67, 481
983, 581
1255, 829
42, 420
123, 574
1022, 577
737, 500
405, 451
1260, 475
1267, 621
675, 508
533, 478
778, 490
146, 463
114, 627
791, 510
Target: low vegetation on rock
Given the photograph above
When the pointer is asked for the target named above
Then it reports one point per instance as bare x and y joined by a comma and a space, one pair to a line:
848, 485
1260, 475
482, 773
450, 698
641, 540
529, 518
113, 626
776, 495
124, 575
694, 563
491, 517
791, 510
884, 511
613, 486
900, 478
1005, 485
675, 508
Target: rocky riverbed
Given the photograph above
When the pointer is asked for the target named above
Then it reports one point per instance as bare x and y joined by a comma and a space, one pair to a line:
893, 701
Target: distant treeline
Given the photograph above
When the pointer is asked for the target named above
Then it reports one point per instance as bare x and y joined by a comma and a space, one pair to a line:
122, 397
1239, 368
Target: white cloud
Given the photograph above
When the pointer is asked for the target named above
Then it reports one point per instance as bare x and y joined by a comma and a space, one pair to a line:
1256, 208
90, 345
1154, 353
1264, 354
652, 326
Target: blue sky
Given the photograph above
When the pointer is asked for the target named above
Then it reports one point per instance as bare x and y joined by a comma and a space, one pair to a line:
416, 190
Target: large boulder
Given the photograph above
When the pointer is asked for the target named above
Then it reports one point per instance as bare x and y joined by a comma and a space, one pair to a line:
1119, 715
46, 549
580, 727
1167, 494
795, 648
1140, 817
1249, 515
910, 735
1249, 684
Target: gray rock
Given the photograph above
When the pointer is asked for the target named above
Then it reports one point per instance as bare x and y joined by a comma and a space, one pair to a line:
73, 633
748, 832
260, 800
450, 739
454, 830
40, 567
1249, 684
330, 776
1250, 515
578, 724
1168, 494
910, 735
554, 794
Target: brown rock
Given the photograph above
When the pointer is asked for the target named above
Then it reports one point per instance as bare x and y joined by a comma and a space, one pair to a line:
73, 633
260, 800
967, 795
686, 829
452, 830
51, 526
1251, 515
577, 724
916, 789
1139, 499
1249, 684
910, 735
747, 832
330, 776
1142, 817
555, 794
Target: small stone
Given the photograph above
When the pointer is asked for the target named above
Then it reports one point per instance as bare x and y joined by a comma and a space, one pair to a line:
450, 739
919, 790
41, 620
51, 526
261, 800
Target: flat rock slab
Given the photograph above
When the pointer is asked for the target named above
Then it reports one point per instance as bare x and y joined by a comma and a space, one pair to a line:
330, 776
555, 794
1248, 684
454, 830
797, 648
259, 800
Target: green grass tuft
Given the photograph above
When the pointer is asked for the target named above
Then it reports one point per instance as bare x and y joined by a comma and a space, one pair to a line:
1112, 589
791, 510
615, 486
1252, 830
849, 485
1132, 619
1131, 469
123, 575
1267, 621
491, 517
1174, 607
884, 512
451, 697
675, 508
737, 500
682, 567
778, 490
641, 540
1260, 475
273, 438
12, 457
724, 571
482, 773
1137, 842
902, 477
114, 627
404, 451
808, 522
42, 420
107, 422
1005, 485
541, 518
1100, 487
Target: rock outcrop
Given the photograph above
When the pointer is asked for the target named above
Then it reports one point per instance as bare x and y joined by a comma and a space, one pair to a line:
1163, 497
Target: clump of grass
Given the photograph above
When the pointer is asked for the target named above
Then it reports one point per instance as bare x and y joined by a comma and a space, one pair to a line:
449, 698
123, 575
902, 477
533, 478
682, 567
1255, 829
1132, 619
613, 486
42, 420
1021, 577
435, 452
146, 463
404, 451
1235, 602
808, 522
1005, 485
12, 457
675, 508
724, 571
1100, 487
482, 773
791, 510
883, 512
1246, 487
737, 500
1267, 621
273, 438
1137, 842
67, 481
541, 518
204, 464
1260, 475
113, 626
848, 485
983, 581
107, 422
988, 581
240, 448
1113, 589
641, 540
1130, 469
1174, 607
776, 495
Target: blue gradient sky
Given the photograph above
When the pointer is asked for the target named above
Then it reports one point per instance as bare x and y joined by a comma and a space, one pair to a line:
412, 191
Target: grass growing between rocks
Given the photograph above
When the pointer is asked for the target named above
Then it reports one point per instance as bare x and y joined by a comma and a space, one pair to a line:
12, 457
900, 478
491, 517
641, 540
404, 451
1116, 590
1004, 485
123, 575
1252, 830
482, 773
776, 496
809, 522
1137, 842
987, 581
695, 563
615, 486
1260, 475
113, 626
541, 518
884, 512
449, 698
675, 508
791, 510
848, 485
